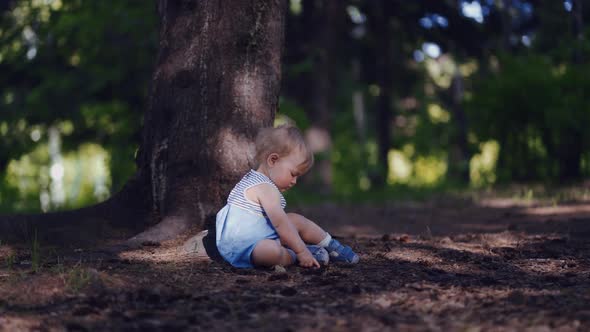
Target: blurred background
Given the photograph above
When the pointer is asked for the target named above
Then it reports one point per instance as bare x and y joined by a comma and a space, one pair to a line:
397, 98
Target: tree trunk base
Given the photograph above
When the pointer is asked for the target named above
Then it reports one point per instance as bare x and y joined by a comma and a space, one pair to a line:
167, 229
203, 245
83, 227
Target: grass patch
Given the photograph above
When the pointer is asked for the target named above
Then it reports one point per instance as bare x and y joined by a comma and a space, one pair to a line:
521, 193
10, 260
78, 277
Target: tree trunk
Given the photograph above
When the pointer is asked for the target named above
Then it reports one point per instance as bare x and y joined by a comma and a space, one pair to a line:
571, 143
578, 30
570, 156
327, 19
215, 83
459, 152
384, 66
506, 19
359, 113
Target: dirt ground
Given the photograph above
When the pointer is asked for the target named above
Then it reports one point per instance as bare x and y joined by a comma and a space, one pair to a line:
485, 264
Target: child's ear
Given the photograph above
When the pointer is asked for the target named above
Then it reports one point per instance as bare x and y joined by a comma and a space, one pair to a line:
272, 159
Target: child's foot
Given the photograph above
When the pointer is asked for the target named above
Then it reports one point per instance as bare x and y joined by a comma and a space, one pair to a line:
320, 254
340, 253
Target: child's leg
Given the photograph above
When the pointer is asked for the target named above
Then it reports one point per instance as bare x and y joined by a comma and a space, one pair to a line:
312, 233
309, 231
270, 253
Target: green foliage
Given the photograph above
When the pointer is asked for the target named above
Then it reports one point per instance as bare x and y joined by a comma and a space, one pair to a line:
85, 179
537, 113
82, 67
348, 157
289, 108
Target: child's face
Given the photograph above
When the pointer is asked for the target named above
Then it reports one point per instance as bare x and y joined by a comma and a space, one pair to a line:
285, 170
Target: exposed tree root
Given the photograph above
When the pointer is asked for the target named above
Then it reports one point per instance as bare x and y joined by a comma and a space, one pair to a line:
116, 218
167, 229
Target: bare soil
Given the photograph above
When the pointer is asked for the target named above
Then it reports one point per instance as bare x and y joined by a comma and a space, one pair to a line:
449, 264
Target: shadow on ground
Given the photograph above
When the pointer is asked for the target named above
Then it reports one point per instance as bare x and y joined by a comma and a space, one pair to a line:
473, 268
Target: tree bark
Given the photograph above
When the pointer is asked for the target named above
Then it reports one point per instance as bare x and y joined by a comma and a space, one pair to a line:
459, 152
506, 18
325, 19
569, 153
216, 82
578, 30
384, 58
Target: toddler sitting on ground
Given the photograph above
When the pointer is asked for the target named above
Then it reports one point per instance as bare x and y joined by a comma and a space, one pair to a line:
253, 228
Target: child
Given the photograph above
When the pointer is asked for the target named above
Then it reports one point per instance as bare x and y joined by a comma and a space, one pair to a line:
253, 228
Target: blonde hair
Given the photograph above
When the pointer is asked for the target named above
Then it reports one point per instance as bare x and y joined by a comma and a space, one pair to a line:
282, 140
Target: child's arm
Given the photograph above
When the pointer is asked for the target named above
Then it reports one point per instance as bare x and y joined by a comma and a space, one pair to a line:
270, 201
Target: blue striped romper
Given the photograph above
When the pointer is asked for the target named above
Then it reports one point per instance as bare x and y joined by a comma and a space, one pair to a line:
241, 223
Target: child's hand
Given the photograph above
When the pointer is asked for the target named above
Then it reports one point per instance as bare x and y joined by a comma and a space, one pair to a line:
306, 259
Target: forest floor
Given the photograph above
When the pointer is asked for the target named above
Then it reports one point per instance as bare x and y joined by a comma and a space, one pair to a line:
485, 263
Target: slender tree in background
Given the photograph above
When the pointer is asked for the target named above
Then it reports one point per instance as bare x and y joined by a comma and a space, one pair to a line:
317, 34
578, 30
506, 24
564, 132
384, 57
216, 82
327, 17
572, 145
459, 151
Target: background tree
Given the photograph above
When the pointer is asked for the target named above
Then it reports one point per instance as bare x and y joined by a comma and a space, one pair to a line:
540, 133
317, 31
216, 82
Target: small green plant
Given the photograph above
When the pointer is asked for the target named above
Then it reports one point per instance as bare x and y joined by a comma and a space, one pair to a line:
78, 277
529, 195
35, 253
10, 259
60, 270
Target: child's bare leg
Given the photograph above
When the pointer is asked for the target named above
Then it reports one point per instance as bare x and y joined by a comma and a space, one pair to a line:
315, 235
309, 231
270, 253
